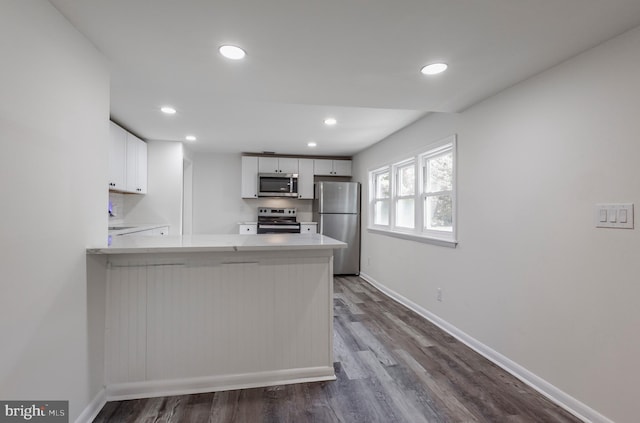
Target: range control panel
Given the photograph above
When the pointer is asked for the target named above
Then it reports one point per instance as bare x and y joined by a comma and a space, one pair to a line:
265, 211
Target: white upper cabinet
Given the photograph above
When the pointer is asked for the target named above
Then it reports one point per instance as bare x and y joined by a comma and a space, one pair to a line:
305, 179
141, 173
332, 167
136, 165
277, 165
117, 156
305, 168
127, 161
342, 167
250, 177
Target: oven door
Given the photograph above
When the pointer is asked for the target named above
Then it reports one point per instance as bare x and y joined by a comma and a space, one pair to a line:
278, 228
277, 185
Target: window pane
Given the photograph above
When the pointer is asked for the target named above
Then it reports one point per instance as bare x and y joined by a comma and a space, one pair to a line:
439, 213
405, 213
382, 185
381, 213
440, 173
406, 180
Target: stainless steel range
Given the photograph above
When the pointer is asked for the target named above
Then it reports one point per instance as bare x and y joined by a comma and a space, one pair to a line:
277, 221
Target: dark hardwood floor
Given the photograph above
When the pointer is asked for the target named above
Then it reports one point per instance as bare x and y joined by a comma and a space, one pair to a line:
391, 365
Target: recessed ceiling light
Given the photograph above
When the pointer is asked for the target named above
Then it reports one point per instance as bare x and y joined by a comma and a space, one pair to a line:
232, 52
434, 68
168, 110
330, 121
311, 144
190, 138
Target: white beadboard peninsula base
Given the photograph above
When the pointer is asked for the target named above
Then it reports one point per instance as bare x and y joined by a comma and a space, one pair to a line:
181, 323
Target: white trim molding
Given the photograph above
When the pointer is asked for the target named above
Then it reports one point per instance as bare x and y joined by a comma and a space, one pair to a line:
186, 386
92, 409
559, 397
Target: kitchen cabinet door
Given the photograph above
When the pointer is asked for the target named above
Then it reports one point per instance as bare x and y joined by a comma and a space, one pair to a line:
277, 165
136, 165
342, 167
288, 165
305, 179
249, 188
268, 165
322, 167
141, 173
308, 228
163, 231
248, 229
117, 157
326, 167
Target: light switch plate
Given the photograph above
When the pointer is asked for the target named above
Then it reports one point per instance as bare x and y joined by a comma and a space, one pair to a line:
618, 215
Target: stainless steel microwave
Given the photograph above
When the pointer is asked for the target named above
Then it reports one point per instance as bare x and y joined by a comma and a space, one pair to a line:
278, 185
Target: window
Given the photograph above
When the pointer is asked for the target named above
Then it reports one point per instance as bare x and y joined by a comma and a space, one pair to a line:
404, 195
437, 167
415, 197
381, 197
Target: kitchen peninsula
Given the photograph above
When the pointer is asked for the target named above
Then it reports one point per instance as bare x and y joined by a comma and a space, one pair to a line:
201, 313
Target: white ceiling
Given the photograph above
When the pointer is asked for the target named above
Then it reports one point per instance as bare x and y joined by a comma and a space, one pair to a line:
355, 60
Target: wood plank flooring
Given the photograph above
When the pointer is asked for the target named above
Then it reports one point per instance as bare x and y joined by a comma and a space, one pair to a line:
391, 365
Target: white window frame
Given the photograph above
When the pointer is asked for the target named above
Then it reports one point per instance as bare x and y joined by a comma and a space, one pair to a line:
395, 196
424, 158
373, 199
419, 160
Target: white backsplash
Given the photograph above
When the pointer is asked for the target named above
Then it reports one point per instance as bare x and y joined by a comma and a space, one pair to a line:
117, 206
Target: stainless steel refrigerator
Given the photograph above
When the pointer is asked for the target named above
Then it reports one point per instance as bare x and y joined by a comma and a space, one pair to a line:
336, 208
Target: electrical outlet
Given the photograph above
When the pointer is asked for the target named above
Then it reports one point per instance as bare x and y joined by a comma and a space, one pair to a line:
439, 295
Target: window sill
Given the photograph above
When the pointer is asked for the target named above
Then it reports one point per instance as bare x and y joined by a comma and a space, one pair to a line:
413, 237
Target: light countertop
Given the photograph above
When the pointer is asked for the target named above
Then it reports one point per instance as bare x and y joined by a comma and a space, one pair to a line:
217, 243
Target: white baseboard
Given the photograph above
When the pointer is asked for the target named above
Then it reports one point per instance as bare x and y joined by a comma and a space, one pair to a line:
161, 388
93, 408
564, 400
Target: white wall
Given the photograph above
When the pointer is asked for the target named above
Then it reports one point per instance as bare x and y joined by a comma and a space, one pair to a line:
532, 278
54, 131
163, 201
217, 206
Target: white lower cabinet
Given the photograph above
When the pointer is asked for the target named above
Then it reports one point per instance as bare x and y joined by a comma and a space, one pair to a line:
248, 229
308, 228
163, 231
